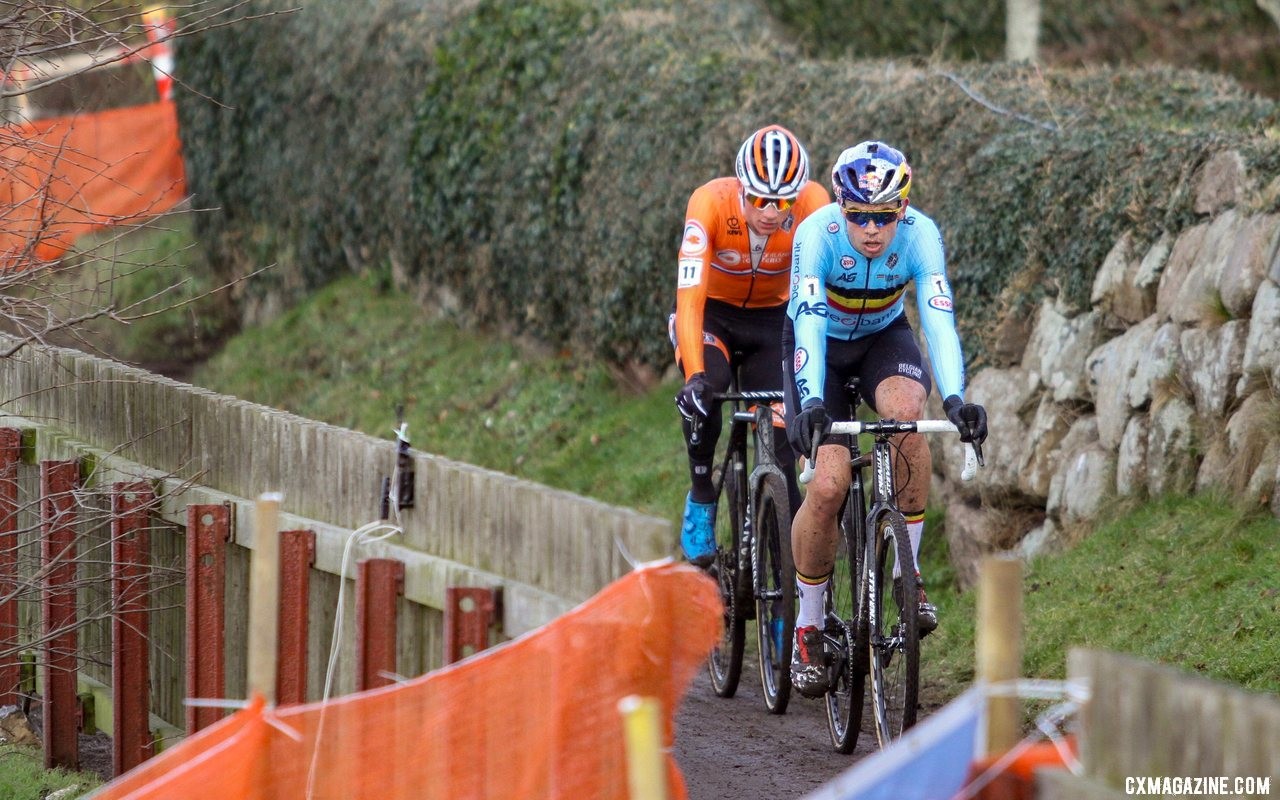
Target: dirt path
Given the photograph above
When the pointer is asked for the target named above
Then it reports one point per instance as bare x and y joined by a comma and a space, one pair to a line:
735, 749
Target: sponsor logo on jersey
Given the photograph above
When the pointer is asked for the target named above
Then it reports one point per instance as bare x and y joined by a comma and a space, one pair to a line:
891, 261
848, 277
942, 303
802, 388
846, 262
911, 370
817, 309
734, 225
802, 358
788, 222
695, 239
833, 227
730, 258
690, 270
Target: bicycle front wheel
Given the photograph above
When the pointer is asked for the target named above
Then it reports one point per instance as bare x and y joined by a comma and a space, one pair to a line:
846, 632
895, 634
725, 663
775, 579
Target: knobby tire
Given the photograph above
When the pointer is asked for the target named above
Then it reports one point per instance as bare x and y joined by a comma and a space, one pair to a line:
775, 595
894, 656
846, 636
725, 663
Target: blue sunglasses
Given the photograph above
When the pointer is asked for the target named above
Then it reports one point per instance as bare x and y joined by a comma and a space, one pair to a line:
862, 218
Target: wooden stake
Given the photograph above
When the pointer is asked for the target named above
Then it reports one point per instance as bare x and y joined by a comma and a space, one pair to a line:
646, 768
999, 646
264, 598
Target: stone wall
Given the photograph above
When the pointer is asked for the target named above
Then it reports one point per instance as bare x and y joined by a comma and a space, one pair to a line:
1168, 383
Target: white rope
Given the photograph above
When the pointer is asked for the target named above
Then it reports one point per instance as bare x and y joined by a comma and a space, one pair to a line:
1048, 725
368, 533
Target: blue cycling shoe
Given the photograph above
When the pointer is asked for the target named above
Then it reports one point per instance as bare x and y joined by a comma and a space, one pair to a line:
698, 533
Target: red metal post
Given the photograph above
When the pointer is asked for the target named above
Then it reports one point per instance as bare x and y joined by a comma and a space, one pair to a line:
297, 555
131, 741
208, 528
10, 665
379, 583
58, 480
468, 613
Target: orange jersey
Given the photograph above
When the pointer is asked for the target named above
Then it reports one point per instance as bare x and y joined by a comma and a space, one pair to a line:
715, 260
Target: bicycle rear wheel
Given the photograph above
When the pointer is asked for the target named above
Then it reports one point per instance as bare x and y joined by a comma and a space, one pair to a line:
895, 635
846, 635
725, 663
775, 577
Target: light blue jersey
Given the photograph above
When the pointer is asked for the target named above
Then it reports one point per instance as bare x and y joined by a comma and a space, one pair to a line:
837, 292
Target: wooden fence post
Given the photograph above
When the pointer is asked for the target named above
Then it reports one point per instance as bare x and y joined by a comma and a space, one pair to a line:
998, 643
264, 598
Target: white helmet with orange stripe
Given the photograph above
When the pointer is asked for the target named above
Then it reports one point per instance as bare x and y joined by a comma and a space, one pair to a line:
772, 163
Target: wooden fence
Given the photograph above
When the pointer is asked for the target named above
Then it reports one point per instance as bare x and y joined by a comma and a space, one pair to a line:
1145, 723
543, 551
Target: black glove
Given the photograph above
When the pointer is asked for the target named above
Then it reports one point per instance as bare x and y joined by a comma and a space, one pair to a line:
695, 396
969, 418
809, 427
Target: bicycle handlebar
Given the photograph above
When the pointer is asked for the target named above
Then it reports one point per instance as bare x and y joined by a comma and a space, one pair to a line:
888, 426
696, 421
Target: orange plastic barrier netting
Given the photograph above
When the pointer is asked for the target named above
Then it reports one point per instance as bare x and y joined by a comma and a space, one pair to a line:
536, 717
65, 176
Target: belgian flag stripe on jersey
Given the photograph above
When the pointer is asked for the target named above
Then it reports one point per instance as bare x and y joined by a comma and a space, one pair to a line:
864, 301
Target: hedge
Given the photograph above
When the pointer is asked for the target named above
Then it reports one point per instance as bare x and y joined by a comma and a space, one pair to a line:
525, 165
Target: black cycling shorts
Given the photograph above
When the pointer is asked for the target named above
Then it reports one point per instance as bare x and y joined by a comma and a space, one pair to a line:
892, 352
748, 340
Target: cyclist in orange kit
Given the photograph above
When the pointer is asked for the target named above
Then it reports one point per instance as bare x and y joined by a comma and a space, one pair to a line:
732, 288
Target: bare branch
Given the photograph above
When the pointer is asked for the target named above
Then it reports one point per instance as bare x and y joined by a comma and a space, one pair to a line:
1048, 126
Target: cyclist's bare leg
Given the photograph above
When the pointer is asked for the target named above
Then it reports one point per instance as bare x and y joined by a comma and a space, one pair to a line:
903, 399
813, 533
813, 544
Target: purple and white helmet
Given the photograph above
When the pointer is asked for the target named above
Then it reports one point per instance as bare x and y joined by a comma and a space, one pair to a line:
871, 173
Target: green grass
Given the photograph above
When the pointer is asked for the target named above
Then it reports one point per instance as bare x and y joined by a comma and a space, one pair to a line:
1190, 582
23, 776
159, 286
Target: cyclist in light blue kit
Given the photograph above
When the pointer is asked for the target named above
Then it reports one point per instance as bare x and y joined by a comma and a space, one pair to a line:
851, 263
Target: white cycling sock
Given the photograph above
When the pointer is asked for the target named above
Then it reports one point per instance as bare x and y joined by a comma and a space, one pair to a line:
915, 532
810, 594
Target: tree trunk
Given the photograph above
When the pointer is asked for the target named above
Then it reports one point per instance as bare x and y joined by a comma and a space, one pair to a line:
1022, 29
1272, 7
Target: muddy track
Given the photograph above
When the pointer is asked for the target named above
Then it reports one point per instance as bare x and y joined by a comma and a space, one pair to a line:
735, 749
